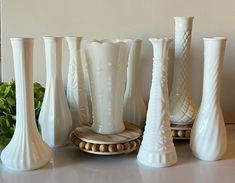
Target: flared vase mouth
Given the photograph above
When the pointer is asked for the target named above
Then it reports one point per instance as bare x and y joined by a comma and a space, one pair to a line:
128, 40
216, 38
184, 18
161, 39
105, 42
21, 38
52, 38
73, 37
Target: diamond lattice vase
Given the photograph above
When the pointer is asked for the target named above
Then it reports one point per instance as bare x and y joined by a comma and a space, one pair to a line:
208, 136
182, 108
157, 148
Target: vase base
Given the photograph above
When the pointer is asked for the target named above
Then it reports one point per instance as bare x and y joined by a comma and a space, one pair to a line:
181, 131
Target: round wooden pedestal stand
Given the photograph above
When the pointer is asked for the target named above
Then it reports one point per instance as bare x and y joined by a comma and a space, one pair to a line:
181, 131
89, 141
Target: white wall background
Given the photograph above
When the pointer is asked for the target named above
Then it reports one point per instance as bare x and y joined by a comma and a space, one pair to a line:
111, 19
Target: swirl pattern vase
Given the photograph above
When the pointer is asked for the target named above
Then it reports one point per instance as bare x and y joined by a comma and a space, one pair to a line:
26, 150
208, 136
55, 118
182, 108
107, 68
76, 93
134, 106
157, 148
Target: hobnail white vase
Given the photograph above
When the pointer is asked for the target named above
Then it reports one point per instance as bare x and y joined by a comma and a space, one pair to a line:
107, 69
134, 106
182, 108
157, 148
76, 92
208, 136
26, 150
55, 118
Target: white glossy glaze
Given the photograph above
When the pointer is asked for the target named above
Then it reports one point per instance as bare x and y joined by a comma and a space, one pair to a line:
134, 106
208, 136
157, 148
55, 118
107, 68
26, 150
182, 107
76, 92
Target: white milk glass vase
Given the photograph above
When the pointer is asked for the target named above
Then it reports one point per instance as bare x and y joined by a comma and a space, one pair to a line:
182, 108
157, 148
107, 68
208, 136
26, 150
134, 106
76, 92
55, 118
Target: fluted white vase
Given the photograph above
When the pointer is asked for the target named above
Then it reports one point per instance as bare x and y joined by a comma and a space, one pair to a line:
76, 92
208, 136
182, 108
26, 150
107, 68
134, 106
55, 118
157, 148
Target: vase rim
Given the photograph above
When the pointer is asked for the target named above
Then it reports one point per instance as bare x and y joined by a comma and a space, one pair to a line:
21, 38
76, 37
161, 39
216, 38
52, 37
184, 18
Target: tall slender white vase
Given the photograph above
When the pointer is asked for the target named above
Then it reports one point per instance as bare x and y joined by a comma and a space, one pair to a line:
76, 92
208, 136
55, 118
157, 148
182, 108
26, 150
134, 106
107, 68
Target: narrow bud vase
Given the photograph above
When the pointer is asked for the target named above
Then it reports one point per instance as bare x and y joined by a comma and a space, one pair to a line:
157, 148
26, 150
107, 69
55, 118
182, 108
134, 106
76, 94
208, 136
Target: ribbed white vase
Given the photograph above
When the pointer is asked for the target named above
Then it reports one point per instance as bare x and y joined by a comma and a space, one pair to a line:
26, 150
157, 148
134, 106
76, 92
107, 68
208, 136
182, 108
55, 118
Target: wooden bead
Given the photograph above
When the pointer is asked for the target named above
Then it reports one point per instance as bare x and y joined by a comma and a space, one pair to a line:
126, 145
76, 142
112, 148
173, 133
120, 147
82, 145
133, 144
103, 148
95, 147
187, 133
88, 146
180, 133
137, 142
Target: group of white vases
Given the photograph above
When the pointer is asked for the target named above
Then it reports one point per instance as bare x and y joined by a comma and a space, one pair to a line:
113, 71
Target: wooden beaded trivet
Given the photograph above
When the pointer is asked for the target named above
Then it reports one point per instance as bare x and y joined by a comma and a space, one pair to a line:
181, 131
89, 141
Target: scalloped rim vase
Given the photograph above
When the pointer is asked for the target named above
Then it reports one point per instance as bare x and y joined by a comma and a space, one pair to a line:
157, 148
134, 105
26, 150
208, 136
182, 108
107, 69
55, 119
76, 93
